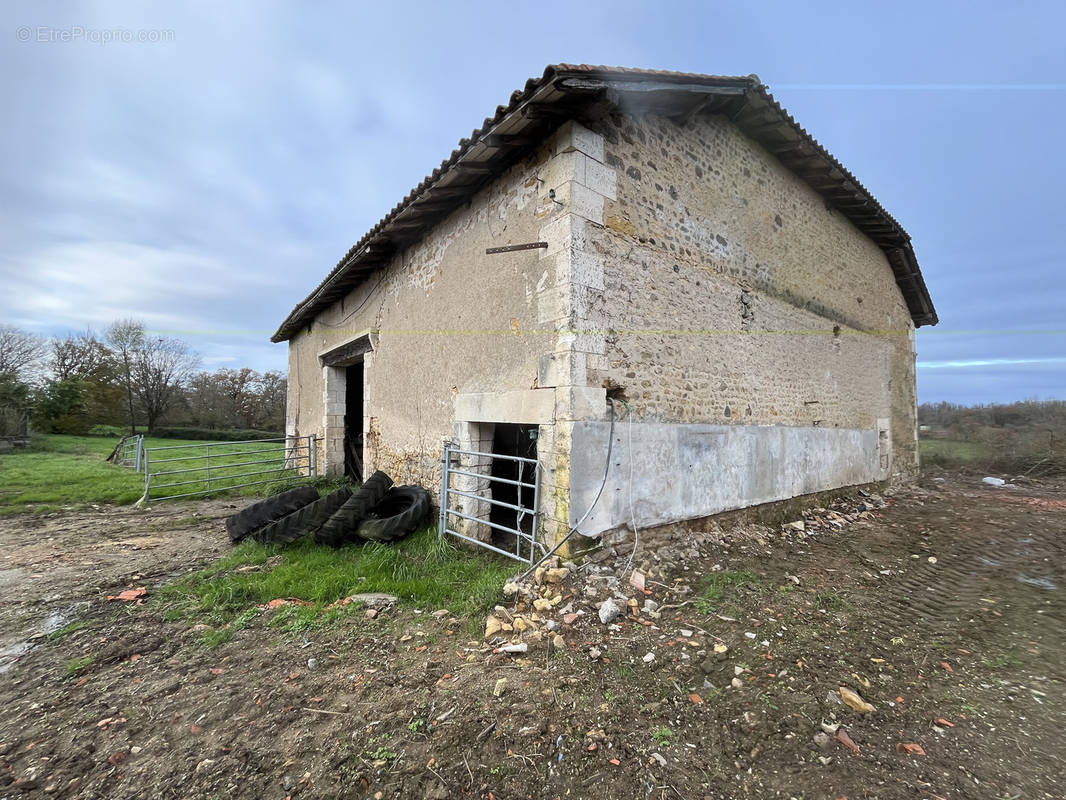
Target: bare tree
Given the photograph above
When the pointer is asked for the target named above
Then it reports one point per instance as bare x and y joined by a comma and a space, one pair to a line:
20, 351
272, 397
237, 397
80, 357
160, 366
126, 337
240, 388
205, 402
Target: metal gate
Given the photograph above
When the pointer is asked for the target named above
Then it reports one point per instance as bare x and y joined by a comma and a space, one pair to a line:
458, 464
213, 467
130, 452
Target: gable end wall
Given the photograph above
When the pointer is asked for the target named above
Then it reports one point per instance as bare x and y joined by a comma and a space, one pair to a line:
759, 339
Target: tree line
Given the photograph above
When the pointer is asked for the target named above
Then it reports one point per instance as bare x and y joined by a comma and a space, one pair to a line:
1024, 438
1023, 413
128, 377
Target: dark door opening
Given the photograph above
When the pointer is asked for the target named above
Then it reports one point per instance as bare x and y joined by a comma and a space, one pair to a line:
513, 440
353, 422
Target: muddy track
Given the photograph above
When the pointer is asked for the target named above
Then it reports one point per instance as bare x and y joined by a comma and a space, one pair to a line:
988, 570
59, 566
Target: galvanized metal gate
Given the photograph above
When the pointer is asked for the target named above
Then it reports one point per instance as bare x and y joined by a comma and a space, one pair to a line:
130, 452
207, 468
476, 468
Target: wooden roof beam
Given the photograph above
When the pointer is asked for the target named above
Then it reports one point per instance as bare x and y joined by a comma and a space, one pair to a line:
551, 111
756, 131
476, 167
780, 149
508, 140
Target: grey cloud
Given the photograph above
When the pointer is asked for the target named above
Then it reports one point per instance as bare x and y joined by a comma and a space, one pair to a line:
209, 183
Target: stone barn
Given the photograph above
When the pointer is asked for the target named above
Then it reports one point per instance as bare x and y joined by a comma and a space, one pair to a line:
661, 266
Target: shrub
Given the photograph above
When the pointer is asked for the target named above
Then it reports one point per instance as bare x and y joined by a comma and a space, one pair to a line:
107, 430
209, 435
59, 407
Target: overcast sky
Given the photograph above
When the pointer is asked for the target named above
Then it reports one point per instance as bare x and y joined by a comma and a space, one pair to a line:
207, 179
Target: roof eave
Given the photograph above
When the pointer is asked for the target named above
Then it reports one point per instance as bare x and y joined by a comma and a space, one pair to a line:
579, 91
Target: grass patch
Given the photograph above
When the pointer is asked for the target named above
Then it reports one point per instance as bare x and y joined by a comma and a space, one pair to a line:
951, 453
382, 753
67, 630
64, 470
215, 637
421, 569
77, 665
1008, 660
662, 736
717, 586
832, 601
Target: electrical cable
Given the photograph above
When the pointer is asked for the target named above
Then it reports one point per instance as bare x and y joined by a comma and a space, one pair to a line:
359, 308
592, 505
632, 513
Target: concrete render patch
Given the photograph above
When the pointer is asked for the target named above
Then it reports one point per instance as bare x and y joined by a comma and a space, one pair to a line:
687, 471
527, 407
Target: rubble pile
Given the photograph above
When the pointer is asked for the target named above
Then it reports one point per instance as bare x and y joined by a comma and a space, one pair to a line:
629, 583
538, 612
819, 521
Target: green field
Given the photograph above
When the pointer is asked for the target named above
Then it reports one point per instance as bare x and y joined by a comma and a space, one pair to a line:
70, 472
60, 471
951, 453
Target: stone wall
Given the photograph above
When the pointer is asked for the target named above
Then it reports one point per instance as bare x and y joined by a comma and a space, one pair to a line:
733, 295
724, 299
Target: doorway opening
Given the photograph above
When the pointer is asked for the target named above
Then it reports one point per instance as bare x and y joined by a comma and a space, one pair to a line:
353, 421
510, 439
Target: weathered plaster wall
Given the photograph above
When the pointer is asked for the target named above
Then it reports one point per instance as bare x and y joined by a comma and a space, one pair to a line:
451, 320
464, 339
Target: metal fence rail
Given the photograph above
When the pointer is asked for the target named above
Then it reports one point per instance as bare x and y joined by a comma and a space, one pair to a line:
478, 490
130, 452
212, 467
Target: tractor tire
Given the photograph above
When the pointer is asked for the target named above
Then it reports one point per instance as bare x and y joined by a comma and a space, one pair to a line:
302, 521
401, 511
340, 528
250, 519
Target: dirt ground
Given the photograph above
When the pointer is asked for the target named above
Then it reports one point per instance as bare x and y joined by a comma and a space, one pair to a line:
942, 606
54, 568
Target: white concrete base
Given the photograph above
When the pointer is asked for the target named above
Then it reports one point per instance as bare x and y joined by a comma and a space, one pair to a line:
674, 472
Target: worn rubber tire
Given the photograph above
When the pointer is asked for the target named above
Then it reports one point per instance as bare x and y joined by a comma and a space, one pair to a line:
340, 528
302, 521
255, 516
399, 513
